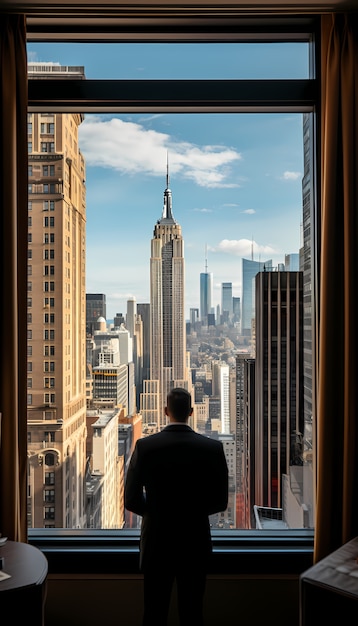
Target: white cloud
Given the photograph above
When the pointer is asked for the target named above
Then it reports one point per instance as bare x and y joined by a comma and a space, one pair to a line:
291, 175
130, 148
249, 211
242, 248
203, 210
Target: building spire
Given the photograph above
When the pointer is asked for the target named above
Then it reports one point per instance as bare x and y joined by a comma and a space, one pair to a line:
167, 208
206, 258
168, 179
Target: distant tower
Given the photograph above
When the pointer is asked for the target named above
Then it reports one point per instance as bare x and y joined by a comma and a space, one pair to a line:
167, 319
249, 270
226, 300
131, 316
95, 308
206, 292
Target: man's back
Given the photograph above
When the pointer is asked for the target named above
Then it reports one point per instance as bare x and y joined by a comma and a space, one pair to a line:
184, 475
175, 480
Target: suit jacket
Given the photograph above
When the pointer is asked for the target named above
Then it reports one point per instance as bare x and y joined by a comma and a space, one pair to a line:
175, 480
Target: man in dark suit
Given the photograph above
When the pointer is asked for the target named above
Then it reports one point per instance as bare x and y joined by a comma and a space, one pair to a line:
175, 480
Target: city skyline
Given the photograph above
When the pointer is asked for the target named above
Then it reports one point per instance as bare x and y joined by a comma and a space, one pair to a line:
236, 180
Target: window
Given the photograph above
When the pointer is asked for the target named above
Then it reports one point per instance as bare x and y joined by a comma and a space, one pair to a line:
49, 398
253, 127
49, 478
48, 170
49, 512
49, 495
47, 146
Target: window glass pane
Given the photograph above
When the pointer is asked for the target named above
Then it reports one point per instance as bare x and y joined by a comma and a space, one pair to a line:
238, 188
169, 60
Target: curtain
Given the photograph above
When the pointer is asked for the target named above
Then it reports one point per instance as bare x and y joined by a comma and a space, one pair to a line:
13, 272
337, 398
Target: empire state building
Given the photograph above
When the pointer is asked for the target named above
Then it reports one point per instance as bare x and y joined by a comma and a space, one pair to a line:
168, 367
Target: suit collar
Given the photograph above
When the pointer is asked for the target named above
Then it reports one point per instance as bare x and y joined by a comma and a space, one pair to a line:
177, 426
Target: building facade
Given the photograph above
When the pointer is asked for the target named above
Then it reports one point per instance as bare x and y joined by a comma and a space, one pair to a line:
56, 300
278, 381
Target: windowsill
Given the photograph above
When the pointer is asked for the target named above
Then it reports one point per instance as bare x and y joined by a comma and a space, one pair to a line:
245, 552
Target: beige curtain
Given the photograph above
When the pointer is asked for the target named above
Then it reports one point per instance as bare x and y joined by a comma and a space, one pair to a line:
13, 270
337, 421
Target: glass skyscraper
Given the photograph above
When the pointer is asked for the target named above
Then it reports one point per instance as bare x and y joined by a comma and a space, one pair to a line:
249, 270
206, 295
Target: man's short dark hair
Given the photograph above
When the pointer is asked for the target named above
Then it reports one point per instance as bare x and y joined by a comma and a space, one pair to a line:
179, 404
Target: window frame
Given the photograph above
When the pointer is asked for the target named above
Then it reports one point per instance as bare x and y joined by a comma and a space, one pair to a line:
254, 552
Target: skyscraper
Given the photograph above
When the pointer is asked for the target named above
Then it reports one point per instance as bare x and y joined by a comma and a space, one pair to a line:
167, 319
249, 270
226, 300
278, 382
56, 317
206, 293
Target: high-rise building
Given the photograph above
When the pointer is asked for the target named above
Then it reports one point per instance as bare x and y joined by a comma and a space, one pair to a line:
143, 310
249, 270
226, 300
206, 292
278, 382
131, 316
245, 438
168, 366
206, 295
236, 309
306, 266
56, 300
292, 262
95, 308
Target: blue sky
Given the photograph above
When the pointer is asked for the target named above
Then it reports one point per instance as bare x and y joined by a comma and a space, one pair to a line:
235, 178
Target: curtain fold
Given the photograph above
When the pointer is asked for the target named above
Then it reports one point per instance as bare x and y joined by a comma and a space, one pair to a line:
337, 405
13, 272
